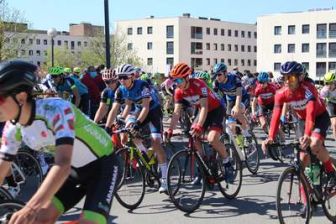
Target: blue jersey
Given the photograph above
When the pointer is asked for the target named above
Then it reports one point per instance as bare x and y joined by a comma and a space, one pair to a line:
70, 83
229, 88
137, 93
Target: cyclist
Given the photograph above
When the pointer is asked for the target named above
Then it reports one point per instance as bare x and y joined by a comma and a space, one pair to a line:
264, 98
167, 90
205, 77
107, 96
210, 115
236, 96
77, 73
84, 160
137, 92
328, 93
67, 72
304, 100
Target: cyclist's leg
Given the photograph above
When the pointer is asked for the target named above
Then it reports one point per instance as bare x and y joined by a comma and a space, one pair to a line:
331, 108
261, 115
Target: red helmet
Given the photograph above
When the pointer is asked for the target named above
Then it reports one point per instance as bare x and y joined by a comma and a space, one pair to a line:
108, 74
180, 70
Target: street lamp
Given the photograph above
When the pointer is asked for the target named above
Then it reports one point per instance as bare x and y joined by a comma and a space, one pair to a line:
107, 34
52, 32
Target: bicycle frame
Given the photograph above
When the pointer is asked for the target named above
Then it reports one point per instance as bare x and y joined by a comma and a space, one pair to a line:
234, 141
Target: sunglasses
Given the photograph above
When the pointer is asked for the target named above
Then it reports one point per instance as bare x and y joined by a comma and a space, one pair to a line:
219, 74
123, 77
109, 81
54, 76
2, 99
262, 82
290, 78
178, 80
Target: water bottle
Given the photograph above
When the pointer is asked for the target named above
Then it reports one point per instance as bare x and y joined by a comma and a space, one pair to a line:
315, 169
309, 173
240, 140
151, 156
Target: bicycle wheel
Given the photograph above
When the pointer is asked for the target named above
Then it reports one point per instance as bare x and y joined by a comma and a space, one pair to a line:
231, 190
186, 182
292, 198
5, 195
251, 152
7, 208
329, 202
131, 186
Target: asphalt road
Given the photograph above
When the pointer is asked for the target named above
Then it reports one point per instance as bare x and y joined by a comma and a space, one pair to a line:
254, 204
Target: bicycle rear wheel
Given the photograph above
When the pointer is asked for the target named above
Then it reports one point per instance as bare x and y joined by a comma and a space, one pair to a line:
329, 202
5, 195
292, 199
186, 182
231, 190
131, 186
252, 155
7, 208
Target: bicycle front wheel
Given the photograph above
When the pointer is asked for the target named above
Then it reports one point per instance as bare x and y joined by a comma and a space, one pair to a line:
131, 186
7, 208
252, 155
329, 202
292, 198
5, 195
186, 182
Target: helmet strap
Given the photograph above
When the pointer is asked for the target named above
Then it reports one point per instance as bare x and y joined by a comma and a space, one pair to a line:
20, 110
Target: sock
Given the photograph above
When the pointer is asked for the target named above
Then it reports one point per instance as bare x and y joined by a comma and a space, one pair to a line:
329, 166
302, 194
163, 167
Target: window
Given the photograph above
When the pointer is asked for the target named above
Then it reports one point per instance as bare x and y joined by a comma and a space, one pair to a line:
38, 53
31, 52
170, 47
249, 48
222, 32
222, 60
229, 47
129, 46
23, 41
249, 34
255, 48
85, 44
215, 61
208, 30
321, 50
139, 30
291, 29
306, 65
215, 47
332, 50
222, 47
229, 62
66, 44
242, 34
45, 42
229, 33
23, 52
170, 31
196, 48
38, 41
242, 62
149, 45
149, 61
321, 31
277, 30
332, 30
170, 61
149, 30
45, 53
215, 31
332, 66
255, 62
236, 47
79, 44
305, 28
277, 48
305, 48
320, 69
208, 46
248, 62
59, 42
196, 32
276, 66
196, 63
255, 35
208, 61
291, 48
30, 41
236, 33
129, 31
242, 48
235, 62
72, 45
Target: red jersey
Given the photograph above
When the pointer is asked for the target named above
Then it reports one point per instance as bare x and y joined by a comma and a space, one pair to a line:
305, 101
265, 95
197, 89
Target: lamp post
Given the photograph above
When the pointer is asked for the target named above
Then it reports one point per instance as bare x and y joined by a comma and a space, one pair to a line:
107, 34
52, 32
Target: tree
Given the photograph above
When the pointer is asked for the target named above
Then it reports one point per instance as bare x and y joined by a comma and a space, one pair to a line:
13, 29
62, 57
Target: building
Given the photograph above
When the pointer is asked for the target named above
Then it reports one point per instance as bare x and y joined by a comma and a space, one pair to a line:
201, 42
307, 37
32, 45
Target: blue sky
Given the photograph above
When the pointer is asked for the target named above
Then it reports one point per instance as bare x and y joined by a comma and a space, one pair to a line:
43, 14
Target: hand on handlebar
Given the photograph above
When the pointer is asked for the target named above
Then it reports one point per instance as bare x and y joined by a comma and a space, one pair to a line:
265, 143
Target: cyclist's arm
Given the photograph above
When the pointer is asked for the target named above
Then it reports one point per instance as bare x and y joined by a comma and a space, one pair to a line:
275, 120
203, 111
310, 117
254, 105
127, 109
76, 95
145, 109
101, 112
239, 96
176, 115
112, 114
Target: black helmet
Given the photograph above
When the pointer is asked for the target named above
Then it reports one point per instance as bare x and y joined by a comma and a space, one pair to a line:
16, 76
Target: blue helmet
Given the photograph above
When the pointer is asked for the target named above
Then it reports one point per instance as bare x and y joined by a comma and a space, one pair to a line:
263, 77
220, 67
291, 67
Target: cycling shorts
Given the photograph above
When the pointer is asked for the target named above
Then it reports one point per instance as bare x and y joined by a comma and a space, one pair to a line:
331, 108
214, 119
263, 109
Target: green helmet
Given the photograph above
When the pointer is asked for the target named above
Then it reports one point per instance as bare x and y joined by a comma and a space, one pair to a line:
329, 77
144, 77
203, 75
56, 70
67, 70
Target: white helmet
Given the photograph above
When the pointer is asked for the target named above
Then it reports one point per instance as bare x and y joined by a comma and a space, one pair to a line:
125, 69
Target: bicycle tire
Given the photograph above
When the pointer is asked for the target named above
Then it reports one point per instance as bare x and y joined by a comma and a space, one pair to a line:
292, 173
7, 208
131, 184
329, 201
252, 158
231, 190
5, 195
184, 167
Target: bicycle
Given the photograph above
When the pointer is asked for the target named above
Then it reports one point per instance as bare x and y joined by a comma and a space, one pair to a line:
297, 182
189, 171
8, 208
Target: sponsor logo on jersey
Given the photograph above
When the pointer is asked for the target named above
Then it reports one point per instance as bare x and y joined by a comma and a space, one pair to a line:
299, 105
96, 134
204, 91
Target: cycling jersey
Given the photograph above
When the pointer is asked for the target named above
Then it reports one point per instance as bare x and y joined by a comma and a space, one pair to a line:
70, 83
55, 122
107, 96
304, 101
265, 95
197, 89
328, 95
229, 88
168, 87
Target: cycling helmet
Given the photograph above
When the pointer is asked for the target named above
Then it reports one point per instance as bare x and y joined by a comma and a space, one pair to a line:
76, 70
291, 67
67, 70
203, 75
109, 74
220, 67
144, 77
17, 76
125, 69
56, 70
263, 77
329, 77
180, 70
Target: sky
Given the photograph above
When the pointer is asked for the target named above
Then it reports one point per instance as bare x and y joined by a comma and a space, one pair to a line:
44, 14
